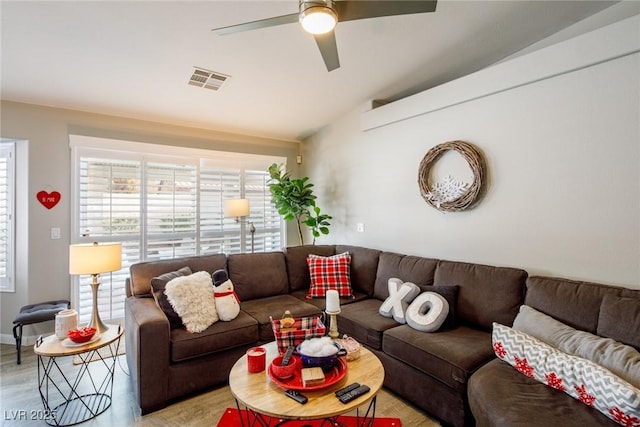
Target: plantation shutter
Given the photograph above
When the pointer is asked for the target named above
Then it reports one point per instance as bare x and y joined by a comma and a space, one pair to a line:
219, 234
264, 215
171, 210
109, 210
7, 189
160, 206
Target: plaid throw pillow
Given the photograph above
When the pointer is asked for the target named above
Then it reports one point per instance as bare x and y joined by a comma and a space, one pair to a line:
329, 273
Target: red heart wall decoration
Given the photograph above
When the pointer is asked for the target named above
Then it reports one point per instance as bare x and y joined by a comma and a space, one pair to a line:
48, 200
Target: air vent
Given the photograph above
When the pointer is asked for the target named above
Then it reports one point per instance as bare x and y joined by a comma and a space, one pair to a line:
207, 79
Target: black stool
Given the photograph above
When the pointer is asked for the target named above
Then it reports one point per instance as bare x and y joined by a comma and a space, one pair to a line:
36, 313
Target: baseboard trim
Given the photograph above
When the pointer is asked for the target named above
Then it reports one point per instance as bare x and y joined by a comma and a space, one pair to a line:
27, 340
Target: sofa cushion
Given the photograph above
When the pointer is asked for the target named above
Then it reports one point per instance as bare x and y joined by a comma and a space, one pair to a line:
485, 293
362, 321
621, 359
192, 298
405, 267
588, 382
364, 264
297, 267
158, 284
329, 273
258, 275
141, 273
612, 311
221, 336
451, 356
572, 302
501, 396
264, 309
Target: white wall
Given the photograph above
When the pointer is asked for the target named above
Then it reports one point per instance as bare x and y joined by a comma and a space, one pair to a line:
44, 159
563, 155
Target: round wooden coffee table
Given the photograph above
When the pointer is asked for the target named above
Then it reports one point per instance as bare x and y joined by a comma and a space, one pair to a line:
262, 397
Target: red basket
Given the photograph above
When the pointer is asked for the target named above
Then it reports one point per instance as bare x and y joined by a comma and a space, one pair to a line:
303, 328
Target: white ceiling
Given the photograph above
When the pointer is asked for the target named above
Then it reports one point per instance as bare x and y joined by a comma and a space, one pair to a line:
134, 58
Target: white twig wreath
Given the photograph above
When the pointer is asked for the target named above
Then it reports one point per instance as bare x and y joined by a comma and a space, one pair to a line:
449, 195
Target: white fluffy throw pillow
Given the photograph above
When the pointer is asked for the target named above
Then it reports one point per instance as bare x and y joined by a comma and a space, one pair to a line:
192, 298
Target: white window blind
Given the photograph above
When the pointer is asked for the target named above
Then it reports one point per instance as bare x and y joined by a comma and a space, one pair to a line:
7, 214
165, 206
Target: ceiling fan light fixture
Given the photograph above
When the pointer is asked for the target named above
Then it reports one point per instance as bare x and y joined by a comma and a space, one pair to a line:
318, 19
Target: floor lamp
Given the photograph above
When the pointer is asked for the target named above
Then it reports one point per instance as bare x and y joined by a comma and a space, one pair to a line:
239, 208
94, 259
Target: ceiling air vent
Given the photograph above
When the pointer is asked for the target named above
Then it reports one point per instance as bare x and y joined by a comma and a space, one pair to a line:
207, 79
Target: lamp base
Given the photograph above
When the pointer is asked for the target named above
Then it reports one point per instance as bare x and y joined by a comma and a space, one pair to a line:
96, 322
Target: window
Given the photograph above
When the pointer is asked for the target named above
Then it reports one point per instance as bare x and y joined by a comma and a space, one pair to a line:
7, 214
164, 205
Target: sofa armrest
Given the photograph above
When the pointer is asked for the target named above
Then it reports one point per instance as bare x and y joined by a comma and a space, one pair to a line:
147, 336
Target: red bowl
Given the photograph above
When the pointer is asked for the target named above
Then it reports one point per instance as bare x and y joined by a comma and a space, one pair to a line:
284, 372
81, 335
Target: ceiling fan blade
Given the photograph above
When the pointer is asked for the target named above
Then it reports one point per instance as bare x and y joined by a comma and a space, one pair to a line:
349, 10
254, 25
329, 49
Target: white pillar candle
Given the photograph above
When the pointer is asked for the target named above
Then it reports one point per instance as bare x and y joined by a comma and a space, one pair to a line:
333, 301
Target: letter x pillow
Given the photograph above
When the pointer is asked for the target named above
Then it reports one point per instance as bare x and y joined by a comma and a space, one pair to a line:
400, 296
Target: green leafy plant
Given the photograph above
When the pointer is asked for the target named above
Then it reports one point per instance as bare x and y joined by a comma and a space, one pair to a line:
295, 201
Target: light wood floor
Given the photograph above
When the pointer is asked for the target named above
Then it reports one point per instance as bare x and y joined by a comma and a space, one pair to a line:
19, 395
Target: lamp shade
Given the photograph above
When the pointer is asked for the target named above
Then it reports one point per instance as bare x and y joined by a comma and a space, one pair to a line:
236, 207
94, 258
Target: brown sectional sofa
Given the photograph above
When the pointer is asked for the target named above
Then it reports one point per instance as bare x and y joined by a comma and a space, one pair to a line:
501, 396
435, 371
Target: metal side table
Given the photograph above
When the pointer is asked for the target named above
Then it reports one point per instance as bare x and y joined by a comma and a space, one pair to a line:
70, 400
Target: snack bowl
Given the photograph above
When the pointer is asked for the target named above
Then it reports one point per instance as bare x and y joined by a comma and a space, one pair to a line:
324, 362
81, 335
284, 372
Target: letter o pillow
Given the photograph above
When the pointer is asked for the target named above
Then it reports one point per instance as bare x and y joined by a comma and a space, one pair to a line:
427, 312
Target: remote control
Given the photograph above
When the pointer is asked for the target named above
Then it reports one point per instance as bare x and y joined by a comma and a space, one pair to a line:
347, 389
349, 396
287, 356
297, 396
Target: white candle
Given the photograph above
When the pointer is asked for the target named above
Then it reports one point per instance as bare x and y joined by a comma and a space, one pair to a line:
333, 301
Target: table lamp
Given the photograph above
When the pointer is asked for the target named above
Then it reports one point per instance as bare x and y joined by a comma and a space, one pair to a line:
239, 208
94, 259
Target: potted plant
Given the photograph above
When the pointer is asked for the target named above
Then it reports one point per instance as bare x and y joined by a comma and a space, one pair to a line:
295, 200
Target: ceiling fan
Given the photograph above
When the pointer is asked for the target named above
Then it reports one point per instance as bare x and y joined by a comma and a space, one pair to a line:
319, 17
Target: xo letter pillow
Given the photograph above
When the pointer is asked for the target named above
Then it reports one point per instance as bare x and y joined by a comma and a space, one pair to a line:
427, 312
329, 273
400, 296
